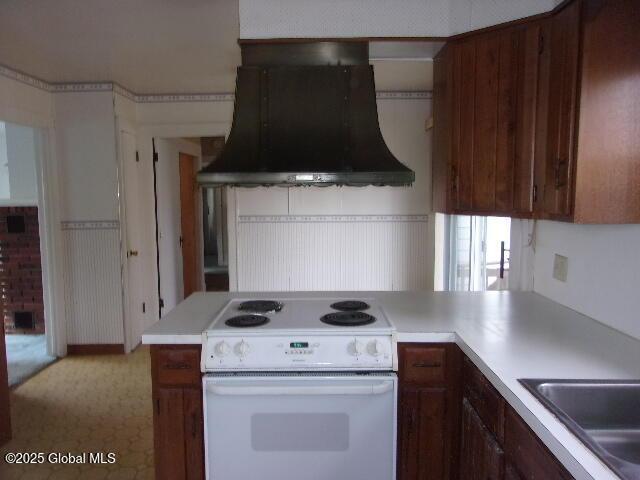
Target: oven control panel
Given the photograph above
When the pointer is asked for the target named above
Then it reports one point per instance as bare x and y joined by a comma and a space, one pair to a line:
359, 352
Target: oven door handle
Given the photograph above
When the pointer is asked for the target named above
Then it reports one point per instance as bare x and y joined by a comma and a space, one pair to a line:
252, 390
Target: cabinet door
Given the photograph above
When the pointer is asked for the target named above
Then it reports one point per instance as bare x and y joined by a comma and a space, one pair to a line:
421, 434
481, 458
564, 45
493, 98
169, 434
194, 434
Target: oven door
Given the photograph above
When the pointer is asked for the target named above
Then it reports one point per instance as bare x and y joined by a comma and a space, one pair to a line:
302, 427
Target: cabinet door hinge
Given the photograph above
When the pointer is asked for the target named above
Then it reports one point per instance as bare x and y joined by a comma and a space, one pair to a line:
144, 307
137, 156
535, 193
155, 156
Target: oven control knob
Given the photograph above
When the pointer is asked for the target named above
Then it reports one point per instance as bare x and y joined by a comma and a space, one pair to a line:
375, 348
355, 348
222, 349
242, 349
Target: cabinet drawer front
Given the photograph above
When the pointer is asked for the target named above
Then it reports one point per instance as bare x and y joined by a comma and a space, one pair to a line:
485, 399
423, 365
178, 366
530, 456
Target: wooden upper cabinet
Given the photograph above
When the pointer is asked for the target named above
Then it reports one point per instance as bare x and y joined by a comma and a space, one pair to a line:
485, 88
562, 50
541, 119
607, 176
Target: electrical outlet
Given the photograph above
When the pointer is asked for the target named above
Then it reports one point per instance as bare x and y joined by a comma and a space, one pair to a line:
560, 267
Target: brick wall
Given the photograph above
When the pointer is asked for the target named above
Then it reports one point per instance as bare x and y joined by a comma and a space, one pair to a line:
21, 268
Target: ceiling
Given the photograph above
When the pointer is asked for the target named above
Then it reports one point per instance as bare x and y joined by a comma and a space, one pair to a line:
153, 46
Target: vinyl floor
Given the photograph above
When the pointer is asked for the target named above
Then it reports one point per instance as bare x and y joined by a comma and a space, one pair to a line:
84, 404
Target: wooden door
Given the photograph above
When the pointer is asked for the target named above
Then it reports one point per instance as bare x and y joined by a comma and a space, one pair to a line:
422, 434
5, 414
481, 457
188, 224
564, 44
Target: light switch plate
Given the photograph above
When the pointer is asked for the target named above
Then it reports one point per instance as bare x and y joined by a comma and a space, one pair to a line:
560, 267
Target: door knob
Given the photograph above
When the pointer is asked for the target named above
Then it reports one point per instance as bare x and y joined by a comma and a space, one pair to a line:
132, 253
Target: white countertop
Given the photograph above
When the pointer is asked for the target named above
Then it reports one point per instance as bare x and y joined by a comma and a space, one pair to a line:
508, 335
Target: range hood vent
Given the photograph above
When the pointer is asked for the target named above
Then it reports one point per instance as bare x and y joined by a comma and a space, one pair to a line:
305, 114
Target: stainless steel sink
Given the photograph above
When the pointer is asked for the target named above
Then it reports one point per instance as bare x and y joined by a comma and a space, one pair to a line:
603, 414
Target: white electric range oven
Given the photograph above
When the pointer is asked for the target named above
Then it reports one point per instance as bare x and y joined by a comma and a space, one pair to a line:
300, 389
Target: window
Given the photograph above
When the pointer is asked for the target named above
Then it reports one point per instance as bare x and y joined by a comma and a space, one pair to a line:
476, 256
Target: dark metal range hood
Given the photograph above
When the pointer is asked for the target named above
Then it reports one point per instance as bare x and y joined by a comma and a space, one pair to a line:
305, 114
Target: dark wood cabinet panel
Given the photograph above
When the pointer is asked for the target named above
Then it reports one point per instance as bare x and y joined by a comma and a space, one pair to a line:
564, 44
608, 144
484, 398
422, 430
429, 411
169, 434
527, 454
194, 434
481, 457
177, 406
490, 83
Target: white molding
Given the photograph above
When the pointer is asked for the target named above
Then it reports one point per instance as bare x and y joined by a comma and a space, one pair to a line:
331, 218
89, 224
185, 97
86, 87
398, 95
81, 87
24, 78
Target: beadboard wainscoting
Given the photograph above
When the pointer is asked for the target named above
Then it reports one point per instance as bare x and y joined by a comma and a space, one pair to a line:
92, 283
333, 252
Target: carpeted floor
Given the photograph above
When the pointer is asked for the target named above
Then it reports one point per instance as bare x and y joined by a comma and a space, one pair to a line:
85, 404
26, 355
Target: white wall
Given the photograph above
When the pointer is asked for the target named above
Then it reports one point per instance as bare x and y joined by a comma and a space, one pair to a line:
378, 18
89, 210
604, 271
370, 238
86, 148
20, 158
24, 101
169, 217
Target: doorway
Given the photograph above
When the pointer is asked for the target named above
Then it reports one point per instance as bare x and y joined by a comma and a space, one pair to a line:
191, 224
21, 263
214, 222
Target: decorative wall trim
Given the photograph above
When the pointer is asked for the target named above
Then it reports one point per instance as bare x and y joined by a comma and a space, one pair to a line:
81, 87
24, 78
77, 87
417, 95
182, 98
90, 224
331, 218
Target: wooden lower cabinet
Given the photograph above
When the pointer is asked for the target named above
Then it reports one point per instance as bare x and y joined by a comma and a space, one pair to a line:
481, 457
453, 424
428, 412
423, 428
178, 424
